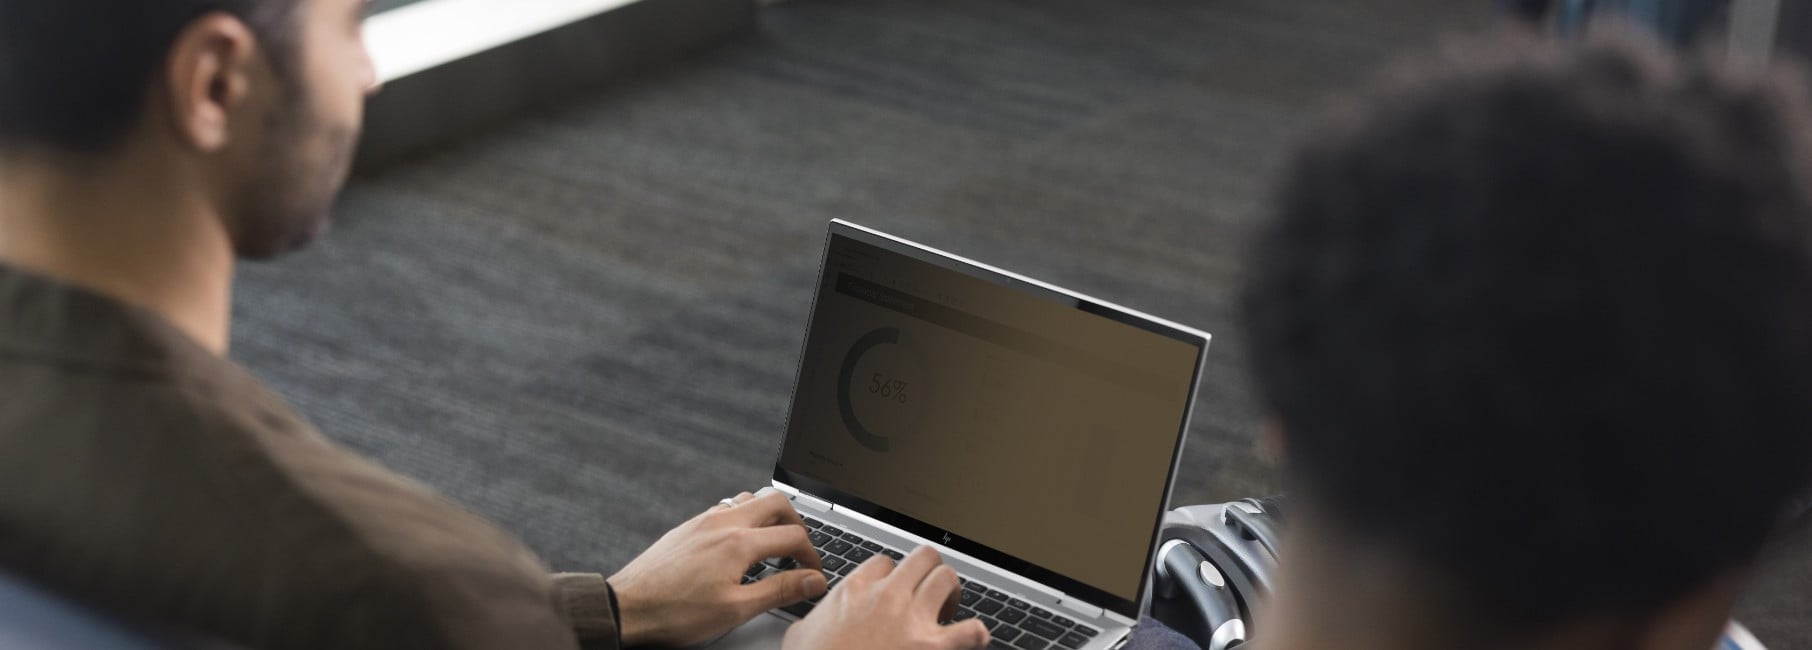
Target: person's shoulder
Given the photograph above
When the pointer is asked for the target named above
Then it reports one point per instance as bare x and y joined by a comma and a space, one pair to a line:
118, 395
53, 325
201, 506
120, 421
357, 550
457, 573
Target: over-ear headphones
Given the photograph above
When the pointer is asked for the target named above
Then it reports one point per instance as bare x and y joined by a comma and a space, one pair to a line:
1214, 565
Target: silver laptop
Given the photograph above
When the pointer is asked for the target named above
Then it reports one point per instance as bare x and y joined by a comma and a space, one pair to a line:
1030, 434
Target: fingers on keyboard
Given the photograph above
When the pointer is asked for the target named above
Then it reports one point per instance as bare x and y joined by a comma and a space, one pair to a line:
1013, 622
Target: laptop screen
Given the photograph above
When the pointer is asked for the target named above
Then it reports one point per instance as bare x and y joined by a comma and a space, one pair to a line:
1005, 414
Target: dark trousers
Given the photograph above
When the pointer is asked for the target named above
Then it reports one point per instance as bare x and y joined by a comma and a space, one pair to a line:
1152, 635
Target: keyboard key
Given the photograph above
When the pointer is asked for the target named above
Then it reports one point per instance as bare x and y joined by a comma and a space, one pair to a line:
989, 606
1073, 640
997, 595
798, 609
1012, 615
832, 562
782, 563
1018, 603
1029, 643
896, 555
819, 538
1063, 622
838, 547
872, 547
859, 555
813, 523
1042, 628
974, 586
963, 614
969, 598
846, 568
833, 531
1041, 612
1006, 632
997, 644
852, 538
1087, 631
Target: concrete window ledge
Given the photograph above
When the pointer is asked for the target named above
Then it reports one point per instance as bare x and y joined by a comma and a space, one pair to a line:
451, 67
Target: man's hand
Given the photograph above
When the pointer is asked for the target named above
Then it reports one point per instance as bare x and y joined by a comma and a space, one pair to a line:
893, 608
687, 588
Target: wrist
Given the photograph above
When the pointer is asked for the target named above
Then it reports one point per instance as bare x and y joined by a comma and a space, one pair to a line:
633, 623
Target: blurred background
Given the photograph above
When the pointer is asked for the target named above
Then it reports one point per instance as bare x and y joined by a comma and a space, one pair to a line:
569, 284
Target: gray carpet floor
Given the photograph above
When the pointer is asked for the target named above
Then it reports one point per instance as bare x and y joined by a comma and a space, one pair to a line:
584, 323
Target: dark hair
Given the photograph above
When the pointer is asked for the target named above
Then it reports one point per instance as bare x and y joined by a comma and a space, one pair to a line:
1543, 318
73, 73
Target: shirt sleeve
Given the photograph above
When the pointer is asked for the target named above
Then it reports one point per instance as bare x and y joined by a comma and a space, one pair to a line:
591, 607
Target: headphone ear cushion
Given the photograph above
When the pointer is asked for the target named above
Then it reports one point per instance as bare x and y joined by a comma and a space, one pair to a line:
1244, 566
1241, 548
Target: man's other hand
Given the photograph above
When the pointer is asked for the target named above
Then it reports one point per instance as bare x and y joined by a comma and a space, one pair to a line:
687, 588
886, 607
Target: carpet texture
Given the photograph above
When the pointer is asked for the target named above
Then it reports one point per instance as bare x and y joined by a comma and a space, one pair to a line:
584, 323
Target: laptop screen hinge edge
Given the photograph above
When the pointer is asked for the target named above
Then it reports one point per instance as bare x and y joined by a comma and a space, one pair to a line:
815, 503
1081, 607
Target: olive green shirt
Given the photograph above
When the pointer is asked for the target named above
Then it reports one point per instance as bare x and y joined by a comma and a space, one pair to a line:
144, 474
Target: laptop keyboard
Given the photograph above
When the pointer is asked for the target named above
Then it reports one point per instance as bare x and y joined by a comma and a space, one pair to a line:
1012, 622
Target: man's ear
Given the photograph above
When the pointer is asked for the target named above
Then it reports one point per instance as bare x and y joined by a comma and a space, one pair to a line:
1695, 620
209, 70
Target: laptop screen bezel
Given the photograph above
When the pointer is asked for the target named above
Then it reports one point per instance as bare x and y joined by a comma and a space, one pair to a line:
1129, 608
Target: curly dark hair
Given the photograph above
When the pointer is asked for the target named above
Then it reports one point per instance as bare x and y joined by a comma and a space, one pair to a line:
1542, 315
73, 73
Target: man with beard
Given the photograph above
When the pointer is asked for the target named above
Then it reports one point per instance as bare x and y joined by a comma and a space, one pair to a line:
146, 146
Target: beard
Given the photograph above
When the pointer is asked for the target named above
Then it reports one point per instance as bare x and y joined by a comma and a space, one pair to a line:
304, 160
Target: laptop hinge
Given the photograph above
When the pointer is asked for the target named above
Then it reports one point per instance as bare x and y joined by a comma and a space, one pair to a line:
1080, 607
812, 502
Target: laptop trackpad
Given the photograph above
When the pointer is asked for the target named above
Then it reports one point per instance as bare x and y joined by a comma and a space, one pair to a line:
764, 632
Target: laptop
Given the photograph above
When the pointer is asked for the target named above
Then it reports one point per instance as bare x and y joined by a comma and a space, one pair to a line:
1028, 433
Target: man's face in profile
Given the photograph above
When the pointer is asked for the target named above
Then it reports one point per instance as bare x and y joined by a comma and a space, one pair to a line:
298, 157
